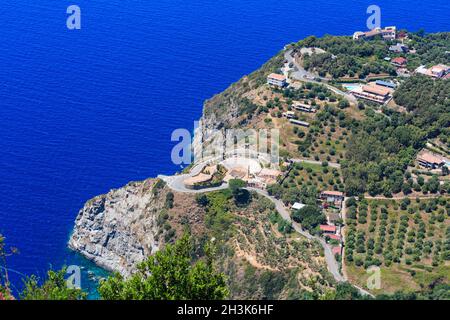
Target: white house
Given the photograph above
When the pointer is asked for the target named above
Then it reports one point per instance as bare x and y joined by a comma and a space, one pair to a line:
298, 206
277, 80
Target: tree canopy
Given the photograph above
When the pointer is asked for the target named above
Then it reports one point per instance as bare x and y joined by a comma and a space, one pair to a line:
310, 216
170, 274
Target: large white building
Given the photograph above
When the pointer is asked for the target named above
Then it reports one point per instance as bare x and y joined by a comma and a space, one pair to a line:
276, 79
437, 71
388, 33
373, 92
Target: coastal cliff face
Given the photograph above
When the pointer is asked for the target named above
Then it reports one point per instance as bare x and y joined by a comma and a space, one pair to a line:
226, 109
125, 226
119, 229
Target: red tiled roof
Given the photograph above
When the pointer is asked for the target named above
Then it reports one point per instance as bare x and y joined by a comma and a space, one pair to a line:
399, 60
277, 76
439, 68
378, 90
325, 227
430, 158
333, 193
336, 250
372, 33
335, 236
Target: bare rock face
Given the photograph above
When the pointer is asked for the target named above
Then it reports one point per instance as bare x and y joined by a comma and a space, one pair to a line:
119, 229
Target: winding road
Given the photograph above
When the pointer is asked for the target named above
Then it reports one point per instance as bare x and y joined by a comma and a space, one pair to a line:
333, 267
300, 74
176, 183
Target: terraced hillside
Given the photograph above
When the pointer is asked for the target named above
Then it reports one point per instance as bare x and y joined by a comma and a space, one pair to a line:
409, 240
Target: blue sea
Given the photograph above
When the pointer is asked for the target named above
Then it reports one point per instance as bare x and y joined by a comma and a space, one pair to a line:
84, 111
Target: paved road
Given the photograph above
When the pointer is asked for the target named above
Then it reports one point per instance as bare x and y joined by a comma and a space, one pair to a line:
176, 183
300, 74
330, 164
332, 264
333, 267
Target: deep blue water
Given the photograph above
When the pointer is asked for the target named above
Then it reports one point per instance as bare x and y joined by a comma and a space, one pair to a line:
88, 110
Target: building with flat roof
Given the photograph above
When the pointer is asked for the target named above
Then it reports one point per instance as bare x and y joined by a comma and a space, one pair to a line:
277, 80
430, 161
439, 71
298, 206
289, 115
388, 33
399, 48
332, 196
372, 92
303, 107
387, 84
399, 62
327, 229
298, 122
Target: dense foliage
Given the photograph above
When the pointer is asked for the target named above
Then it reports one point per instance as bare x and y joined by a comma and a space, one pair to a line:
169, 274
381, 146
428, 101
241, 196
346, 57
5, 293
309, 217
431, 48
53, 288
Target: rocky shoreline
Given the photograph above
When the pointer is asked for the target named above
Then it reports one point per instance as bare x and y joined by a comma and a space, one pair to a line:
118, 229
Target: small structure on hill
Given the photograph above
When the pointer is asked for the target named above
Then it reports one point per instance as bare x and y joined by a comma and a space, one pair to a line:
327, 229
388, 33
298, 122
439, 71
277, 80
429, 160
399, 48
303, 107
298, 206
373, 92
399, 62
332, 196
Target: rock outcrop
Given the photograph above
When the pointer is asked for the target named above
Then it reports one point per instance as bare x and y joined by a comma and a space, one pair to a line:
119, 229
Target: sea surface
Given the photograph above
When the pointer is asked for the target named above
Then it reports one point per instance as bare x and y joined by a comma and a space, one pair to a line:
84, 111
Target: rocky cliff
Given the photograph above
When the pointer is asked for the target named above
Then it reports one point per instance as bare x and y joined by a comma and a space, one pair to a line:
123, 227
118, 229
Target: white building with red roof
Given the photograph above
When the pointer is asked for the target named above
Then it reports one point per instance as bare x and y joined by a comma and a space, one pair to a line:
388, 33
399, 62
277, 80
439, 71
430, 161
327, 229
332, 196
372, 92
